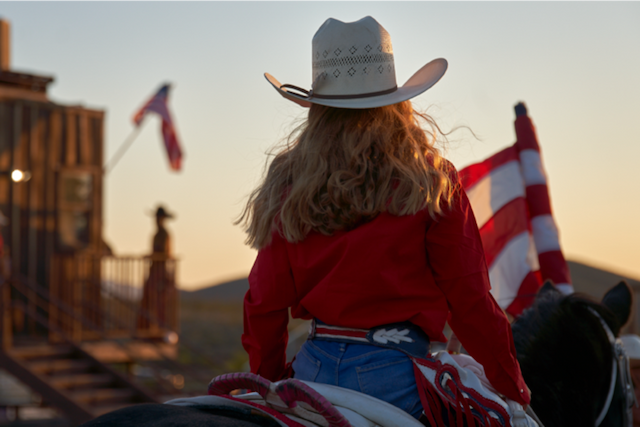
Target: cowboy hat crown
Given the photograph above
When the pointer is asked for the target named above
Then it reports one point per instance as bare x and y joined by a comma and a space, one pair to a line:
353, 67
161, 212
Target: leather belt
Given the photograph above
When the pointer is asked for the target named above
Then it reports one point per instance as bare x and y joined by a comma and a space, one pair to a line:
404, 336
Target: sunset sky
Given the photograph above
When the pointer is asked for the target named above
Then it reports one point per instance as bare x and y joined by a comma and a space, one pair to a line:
575, 65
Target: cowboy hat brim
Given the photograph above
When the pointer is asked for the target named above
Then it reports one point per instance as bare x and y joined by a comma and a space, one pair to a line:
161, 214
422, 80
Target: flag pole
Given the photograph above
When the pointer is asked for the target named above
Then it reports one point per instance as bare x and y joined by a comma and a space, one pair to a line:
123, 148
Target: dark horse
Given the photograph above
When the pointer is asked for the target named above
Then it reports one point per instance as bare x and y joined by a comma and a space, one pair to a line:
566, 356
563, 348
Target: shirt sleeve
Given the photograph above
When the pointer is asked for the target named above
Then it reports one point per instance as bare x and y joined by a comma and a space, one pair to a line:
271, 292
456, 257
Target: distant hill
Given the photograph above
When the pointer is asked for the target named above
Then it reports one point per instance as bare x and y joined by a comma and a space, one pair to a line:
232, 291
594, 281
586, 279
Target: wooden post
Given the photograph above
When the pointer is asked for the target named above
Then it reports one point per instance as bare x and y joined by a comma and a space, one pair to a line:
54, 290
5, 315
76, 288
5, 46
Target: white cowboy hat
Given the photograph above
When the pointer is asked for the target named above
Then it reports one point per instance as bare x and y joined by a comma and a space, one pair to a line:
353, 68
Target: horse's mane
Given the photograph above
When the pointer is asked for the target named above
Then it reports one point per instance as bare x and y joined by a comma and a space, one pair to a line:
557, 340
540, 321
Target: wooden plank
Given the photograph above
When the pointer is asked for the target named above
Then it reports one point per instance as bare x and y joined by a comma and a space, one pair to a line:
5, 131
96, 226
40, 351
130, 351
76, 284
17, 93
6, 330
35, 184
85, 141
5, 159
97, 202
56, 365
79, 135
45, 134
27, 231
5, 183
5, 45
52, 150
53, 268
71, 138
98, 138
15, 190
89, 145
10, 201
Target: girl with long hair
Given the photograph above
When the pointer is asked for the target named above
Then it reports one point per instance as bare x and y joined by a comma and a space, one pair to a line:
361, 225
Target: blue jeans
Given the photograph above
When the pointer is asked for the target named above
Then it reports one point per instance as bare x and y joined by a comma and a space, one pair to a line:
379, 372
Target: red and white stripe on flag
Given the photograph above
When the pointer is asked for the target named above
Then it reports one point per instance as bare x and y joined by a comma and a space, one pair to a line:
510, 199
158, 104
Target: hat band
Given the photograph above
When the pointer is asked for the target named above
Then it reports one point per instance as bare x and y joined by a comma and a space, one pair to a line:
362, 95
311, 94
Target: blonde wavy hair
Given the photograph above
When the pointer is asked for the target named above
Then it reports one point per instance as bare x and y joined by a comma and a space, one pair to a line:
343, 167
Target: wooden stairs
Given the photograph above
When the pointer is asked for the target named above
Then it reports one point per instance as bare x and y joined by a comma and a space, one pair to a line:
71, 380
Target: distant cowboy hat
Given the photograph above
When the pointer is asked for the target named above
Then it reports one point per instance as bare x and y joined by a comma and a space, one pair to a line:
161, 212
353, 67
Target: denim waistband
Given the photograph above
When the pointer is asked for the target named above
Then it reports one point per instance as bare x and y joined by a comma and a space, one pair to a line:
404, 336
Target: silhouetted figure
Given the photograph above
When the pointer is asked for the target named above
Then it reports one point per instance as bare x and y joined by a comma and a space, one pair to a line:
157, 307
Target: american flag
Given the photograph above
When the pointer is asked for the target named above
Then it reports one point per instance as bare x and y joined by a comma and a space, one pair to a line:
158, 104
510, 199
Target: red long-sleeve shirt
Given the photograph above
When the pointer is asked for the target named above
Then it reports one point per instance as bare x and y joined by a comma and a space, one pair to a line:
391, 269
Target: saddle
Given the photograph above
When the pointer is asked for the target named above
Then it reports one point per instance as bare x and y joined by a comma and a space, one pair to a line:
296, 403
